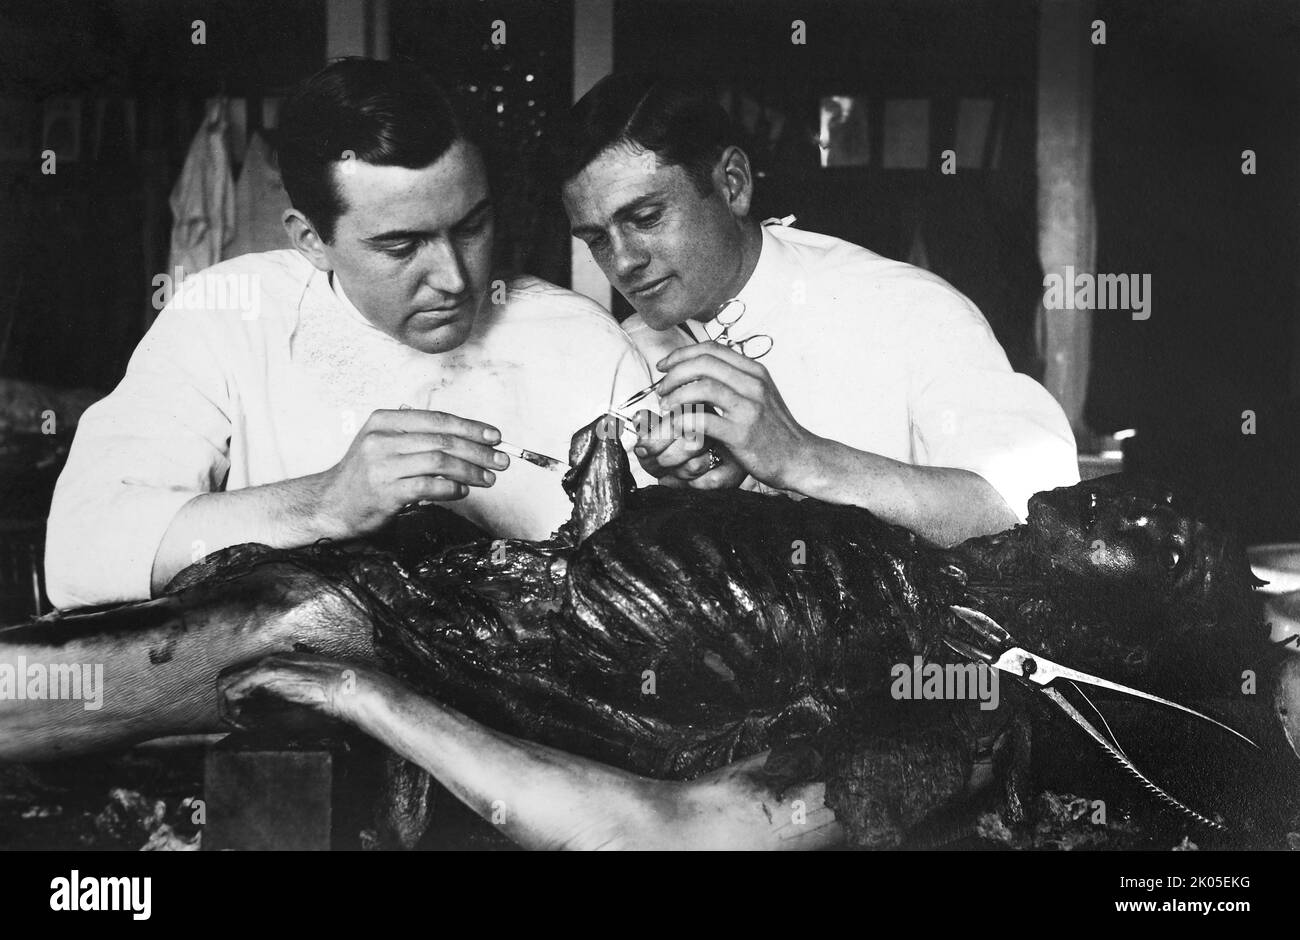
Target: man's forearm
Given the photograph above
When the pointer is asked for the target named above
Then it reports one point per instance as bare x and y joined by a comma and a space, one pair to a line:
283, 515
941, 504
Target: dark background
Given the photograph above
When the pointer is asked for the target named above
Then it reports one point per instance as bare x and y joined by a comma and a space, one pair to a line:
88, 239
1182, 89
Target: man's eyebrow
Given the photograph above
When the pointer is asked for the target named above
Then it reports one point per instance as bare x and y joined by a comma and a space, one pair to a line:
403, 234
621, 213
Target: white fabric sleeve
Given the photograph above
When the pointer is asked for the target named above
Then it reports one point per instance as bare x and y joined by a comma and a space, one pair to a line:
157, 441
971, 411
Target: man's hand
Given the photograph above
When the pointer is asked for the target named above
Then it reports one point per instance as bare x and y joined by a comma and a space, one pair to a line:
749, 418
942, 504
399, 458
670, 449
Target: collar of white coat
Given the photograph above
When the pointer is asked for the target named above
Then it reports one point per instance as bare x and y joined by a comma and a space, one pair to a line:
768, 290
323, 296
348, 307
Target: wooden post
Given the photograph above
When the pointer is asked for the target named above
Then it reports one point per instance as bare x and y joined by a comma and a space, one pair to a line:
1066, 213
356, 27
593, 59
345, 28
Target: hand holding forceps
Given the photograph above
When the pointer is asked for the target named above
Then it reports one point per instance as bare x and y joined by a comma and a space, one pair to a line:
728, 315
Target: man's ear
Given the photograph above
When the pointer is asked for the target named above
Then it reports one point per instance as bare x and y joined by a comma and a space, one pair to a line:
303, 236
736, 181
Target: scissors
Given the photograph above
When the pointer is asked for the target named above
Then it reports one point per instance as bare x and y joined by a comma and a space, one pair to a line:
1042, 672
728, 315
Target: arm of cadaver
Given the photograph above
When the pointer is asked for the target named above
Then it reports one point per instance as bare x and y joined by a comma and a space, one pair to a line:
543, 798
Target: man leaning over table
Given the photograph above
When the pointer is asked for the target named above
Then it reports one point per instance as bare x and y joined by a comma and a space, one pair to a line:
315, 392
883, 388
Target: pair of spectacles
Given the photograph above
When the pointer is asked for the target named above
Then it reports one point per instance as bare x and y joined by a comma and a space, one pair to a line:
728, 315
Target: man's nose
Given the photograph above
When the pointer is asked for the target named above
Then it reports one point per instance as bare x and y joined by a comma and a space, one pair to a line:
445, 268
629, 257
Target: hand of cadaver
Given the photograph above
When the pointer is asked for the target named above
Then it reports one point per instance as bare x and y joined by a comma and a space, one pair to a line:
297, 679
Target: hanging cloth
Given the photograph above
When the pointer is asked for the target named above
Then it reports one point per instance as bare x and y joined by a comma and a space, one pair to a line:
203, 200
260, 201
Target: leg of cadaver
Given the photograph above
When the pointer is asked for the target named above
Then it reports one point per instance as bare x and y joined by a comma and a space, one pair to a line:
541, 797
117, 677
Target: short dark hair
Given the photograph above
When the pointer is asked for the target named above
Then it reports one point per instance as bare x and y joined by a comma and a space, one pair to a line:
384, 113
680, 120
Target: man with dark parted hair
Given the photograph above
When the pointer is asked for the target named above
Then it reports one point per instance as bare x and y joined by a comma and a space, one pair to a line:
315, 392
883, 388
